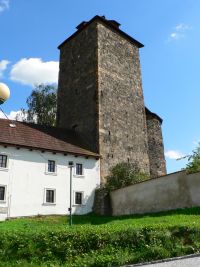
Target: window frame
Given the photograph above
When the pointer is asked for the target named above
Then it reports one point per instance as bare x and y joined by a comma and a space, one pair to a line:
45, 196
47, 167
7, 161
5, 189
75, 170
82, 198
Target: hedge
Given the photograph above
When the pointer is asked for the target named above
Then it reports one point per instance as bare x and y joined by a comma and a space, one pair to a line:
97, 246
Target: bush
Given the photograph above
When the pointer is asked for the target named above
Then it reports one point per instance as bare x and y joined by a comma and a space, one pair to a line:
124, 174
93, 246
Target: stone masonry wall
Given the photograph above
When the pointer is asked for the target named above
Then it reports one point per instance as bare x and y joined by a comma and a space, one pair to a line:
100, 96
156, 148
77, 86
102, 204
122, 120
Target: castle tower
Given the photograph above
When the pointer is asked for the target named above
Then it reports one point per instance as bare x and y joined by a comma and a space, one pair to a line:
100, 93
155, 144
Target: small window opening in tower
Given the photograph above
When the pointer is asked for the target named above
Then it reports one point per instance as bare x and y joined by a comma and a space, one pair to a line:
77, 91
74, 127
109, 132
128, 160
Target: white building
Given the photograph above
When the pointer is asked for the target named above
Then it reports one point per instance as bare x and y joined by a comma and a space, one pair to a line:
34, 171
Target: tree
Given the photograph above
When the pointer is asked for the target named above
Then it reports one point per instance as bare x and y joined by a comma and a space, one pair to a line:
194, 161
124, 174
42, 105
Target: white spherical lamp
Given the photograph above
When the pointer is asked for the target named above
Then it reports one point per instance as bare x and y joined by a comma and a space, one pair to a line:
4, 93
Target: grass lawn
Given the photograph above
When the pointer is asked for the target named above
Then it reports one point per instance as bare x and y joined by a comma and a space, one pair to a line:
99, 240
184, 217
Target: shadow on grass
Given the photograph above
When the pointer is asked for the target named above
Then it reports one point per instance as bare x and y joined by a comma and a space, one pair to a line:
94, 219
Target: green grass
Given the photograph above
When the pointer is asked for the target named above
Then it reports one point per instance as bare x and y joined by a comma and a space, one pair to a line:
99, 240
184, 217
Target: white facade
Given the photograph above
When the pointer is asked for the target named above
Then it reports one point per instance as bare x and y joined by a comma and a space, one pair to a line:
26, 181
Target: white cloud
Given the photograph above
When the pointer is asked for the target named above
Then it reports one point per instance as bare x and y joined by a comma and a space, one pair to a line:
32, 71
175, 35
174, 154
182, 27
4, 4
3, 66
13, 115
16, 115
179, 31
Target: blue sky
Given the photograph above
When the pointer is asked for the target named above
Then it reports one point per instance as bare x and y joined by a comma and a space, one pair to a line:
31, 31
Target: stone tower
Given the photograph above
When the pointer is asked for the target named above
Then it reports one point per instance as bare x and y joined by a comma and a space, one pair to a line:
155, 144
100, 95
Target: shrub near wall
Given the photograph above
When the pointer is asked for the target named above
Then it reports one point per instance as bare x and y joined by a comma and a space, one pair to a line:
124, 174
99, 246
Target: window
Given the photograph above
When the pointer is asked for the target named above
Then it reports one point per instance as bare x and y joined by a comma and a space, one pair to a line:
51, 166
79, 169
3, 161
50, 196
78, 198
2, 193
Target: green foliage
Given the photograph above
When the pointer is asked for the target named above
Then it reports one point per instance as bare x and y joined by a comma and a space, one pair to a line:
99, 240
194, 161
42, 105
124, 174
108, 246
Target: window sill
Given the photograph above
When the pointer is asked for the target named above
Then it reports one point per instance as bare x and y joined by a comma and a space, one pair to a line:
49, 204
2, 201
4, 169
79, 176
78, 205
51, 173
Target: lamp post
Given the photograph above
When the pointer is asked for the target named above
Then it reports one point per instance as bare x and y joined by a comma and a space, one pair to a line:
71, 165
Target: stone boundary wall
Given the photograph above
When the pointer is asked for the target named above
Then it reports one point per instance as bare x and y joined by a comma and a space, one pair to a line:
102, 205
176, 190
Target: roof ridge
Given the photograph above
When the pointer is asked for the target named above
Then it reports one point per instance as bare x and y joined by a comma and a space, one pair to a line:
109, 24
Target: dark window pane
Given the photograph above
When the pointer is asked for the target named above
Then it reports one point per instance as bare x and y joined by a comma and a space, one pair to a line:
51, 166
3, 161
50, 196
78, 198
79, 169
2, 193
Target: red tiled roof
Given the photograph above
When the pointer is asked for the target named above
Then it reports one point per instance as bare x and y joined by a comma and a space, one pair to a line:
39, 137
